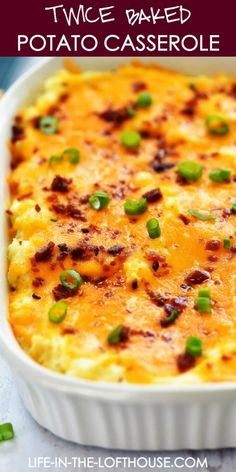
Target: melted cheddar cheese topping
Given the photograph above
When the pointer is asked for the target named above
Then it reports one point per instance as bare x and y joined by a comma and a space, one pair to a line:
130, 280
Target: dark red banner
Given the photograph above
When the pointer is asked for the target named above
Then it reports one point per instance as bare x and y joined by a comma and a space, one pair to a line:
115, 28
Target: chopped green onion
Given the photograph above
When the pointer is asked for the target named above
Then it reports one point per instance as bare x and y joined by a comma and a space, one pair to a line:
170, 319
57, 312
153, 228
204, 292
194, 346
233, 208
200, 216
227, 243
135, 208
54, 219
114, 336
144, 100
54, 159
220, 175
48, 125
65, 277
190, 170
73, 155
130, 139
131, 112
203, 304
216, 124
6, 432
99, 200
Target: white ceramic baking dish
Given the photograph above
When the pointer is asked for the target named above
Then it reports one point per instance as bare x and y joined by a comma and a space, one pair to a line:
101, 414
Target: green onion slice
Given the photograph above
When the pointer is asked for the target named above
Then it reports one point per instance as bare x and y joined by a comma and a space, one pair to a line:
130, 139
194, 346
72, 154
144, 100
114, 336
170, 319
233, 208
48, 125
54, 159
57, 312
190, 170
71, 279
203, 304
99, 200
200, 216
6, 432
204, 292
153, 228
131, 112
227, 243
132, 207
217, 124
220, 175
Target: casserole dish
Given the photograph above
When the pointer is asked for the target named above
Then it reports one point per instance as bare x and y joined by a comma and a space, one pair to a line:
118, 416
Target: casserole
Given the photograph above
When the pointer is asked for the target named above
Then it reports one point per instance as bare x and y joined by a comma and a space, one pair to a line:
121, 409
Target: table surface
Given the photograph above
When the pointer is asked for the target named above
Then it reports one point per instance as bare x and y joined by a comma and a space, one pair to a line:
33, 441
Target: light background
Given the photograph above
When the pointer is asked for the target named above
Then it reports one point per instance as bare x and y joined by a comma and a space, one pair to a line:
33, 441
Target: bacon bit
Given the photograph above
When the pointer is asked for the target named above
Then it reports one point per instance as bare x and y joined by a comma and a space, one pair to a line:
124, 334
213, 245
9, 212
64, 97
138, 86
85, 230
160, 167
189, 110
60, 292
36, 297
185, 287
185, 362
108, 294
233, 248
119, 191
226, 213
60, 184
141, 332
116, 116
196, 277
37, 208
134, 284
181, 180
155, 265
38, 282
84, 251
176, 303
115, 250
153, 195
226, 358
212, 258
184, 219
68, 330
24, 196
84, 198
45, 253
15, 161
18, 133
64, 251
69, 210
157, 299
154, 256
